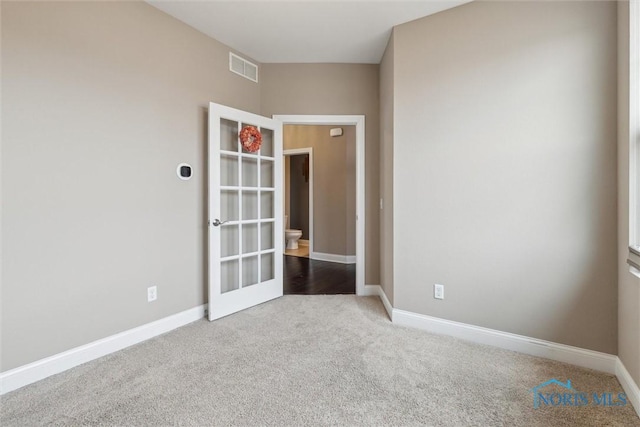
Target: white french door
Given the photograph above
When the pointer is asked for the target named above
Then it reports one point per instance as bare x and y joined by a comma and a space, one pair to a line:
245, 212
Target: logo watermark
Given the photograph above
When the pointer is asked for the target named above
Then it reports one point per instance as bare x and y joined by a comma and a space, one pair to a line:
572, 397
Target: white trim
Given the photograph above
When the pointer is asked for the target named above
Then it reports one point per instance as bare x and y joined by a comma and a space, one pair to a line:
634, 121
564, 353
535, 347
359, 122
376, 290
295, 152
386, 303
371, 291
342, 259
43, 368
628, 385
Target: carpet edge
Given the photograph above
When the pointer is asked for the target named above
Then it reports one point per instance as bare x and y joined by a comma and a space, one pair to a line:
21, 376
591, 359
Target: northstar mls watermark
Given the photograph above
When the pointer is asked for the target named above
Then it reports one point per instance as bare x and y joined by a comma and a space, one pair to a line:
573, 397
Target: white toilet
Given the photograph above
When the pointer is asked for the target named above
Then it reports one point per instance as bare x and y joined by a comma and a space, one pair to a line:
291, 236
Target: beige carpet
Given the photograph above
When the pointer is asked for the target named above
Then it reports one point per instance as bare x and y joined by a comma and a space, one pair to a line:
309, 360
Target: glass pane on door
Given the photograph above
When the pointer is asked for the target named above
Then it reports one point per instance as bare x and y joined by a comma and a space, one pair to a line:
249, 205
229, 205
229, 238
266, 149
249, 172
266, 236
249, 271
266, 173
266, 204
267, 267
229, 171
228, 135
229, 276
249, 238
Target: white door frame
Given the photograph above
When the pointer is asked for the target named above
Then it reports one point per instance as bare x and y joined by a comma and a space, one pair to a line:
358, 122
296, 152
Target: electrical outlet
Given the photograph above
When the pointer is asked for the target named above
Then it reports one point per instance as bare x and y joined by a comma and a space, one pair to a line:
152, 293
438, 291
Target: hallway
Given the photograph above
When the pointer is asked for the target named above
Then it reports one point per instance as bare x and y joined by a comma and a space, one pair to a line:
304, 276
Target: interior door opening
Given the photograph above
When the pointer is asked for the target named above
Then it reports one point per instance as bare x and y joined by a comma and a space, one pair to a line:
298, 202
356, 258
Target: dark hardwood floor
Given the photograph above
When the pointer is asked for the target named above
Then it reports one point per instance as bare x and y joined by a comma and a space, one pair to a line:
304, 276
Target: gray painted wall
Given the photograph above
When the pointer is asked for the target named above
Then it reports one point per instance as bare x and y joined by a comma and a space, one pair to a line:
628, 284
505, 168
101, 101
119, 92
334, 89
333, 183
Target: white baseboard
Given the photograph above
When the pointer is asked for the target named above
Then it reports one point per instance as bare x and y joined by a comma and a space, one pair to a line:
386, 303
36, 371
532, 346
41, 369
376, 290
596, 360
628, 385
535, 347
370, 291
342, 259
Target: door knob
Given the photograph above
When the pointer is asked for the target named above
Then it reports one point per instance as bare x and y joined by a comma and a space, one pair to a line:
216, 222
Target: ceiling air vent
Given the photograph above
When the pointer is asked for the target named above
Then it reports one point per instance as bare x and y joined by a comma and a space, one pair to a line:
243, 67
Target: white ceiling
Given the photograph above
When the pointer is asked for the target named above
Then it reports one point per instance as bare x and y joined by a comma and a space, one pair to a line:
352, 31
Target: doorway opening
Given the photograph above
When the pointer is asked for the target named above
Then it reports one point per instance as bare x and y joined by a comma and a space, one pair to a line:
298, 201
359, 212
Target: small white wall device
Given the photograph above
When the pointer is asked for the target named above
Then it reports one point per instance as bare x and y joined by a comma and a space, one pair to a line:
335, 132
184, 171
